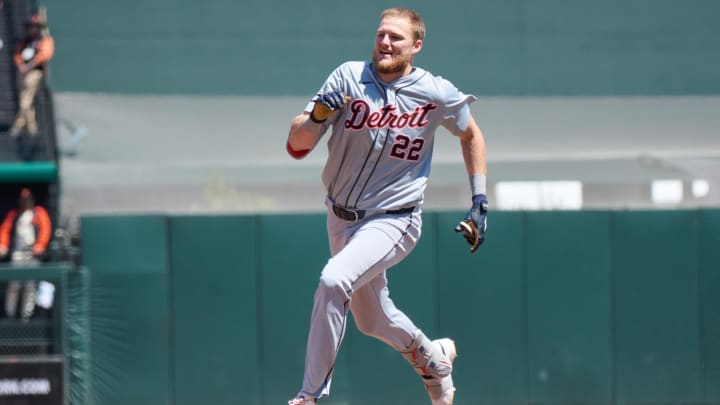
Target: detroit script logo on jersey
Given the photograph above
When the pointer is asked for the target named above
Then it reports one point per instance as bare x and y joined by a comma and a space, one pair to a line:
387, 117
404, 146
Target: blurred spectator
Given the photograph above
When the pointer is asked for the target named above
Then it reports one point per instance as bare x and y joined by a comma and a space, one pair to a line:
24, 234
31, 57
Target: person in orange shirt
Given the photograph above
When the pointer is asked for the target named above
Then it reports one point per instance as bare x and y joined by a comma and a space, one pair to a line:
31, 57
25, 235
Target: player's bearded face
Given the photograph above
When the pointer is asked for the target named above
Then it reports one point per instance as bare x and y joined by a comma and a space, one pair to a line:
394, 46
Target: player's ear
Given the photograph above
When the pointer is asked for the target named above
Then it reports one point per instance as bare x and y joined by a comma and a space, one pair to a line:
417, 46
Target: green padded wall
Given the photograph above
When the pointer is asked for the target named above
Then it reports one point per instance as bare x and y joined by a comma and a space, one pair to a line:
656, 307
128, 260
710, 296
292, 251
482, 306
489, 47
214, 289
567, 261
566, 308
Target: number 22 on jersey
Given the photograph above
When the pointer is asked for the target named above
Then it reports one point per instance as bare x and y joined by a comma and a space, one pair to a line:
406, 148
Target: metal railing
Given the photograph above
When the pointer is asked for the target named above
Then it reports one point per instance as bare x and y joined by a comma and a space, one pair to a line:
58, 334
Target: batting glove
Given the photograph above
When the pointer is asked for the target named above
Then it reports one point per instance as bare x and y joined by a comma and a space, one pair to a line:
326, 105
475, 223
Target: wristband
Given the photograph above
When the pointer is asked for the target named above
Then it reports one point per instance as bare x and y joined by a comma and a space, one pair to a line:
297, 154
478, 184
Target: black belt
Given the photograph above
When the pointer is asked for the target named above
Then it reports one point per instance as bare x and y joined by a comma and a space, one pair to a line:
351, 215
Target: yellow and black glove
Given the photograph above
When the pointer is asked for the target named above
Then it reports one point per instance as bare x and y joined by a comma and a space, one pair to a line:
326, 105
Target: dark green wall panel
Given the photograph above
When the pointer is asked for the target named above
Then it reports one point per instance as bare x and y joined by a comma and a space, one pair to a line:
125, 243
127, 258
376, 367
293, 251
569, 308
129, 338
710, 296
482, 307
655, 264
215, 313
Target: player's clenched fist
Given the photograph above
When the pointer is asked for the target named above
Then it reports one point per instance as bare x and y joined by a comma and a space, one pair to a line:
475, 223
327, 104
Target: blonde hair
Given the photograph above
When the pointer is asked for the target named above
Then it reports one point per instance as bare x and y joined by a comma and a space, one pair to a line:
416, 22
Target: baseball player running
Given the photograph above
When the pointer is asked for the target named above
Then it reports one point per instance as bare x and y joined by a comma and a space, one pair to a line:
383, 117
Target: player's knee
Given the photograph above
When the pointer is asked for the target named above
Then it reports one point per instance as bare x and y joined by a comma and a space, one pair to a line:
331, 283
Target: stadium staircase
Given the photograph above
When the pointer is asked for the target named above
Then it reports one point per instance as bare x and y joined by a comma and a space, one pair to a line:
25, 162
14, 13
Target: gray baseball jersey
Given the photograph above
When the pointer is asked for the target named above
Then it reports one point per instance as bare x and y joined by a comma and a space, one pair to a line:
381, 144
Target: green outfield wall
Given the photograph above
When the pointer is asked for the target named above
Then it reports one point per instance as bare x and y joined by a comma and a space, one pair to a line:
587, 307
285, 47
